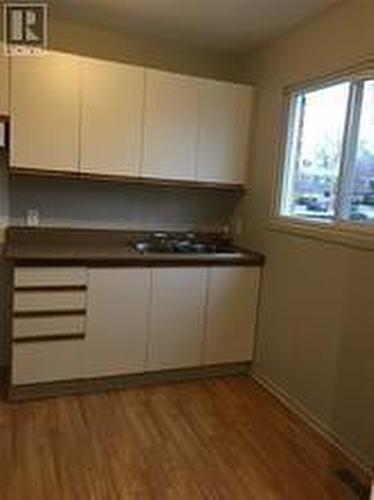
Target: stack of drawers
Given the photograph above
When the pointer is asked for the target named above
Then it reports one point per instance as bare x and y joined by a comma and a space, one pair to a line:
49, 314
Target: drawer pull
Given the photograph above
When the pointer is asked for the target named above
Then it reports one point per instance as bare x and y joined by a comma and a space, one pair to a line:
26, 301
35, 314
49, 338
48, 325
51, 288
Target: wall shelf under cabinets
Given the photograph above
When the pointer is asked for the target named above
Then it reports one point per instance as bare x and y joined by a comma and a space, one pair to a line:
139, 181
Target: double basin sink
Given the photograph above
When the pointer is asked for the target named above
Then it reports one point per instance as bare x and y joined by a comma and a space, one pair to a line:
190, 245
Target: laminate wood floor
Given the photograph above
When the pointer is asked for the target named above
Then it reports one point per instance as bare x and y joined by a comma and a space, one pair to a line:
215, 439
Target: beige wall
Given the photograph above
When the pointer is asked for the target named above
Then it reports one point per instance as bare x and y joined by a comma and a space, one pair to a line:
316, 325
89, 40
68, 35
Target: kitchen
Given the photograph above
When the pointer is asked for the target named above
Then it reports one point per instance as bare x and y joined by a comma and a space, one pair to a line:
139, 258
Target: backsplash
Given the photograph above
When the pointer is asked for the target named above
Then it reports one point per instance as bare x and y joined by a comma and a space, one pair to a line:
69, 203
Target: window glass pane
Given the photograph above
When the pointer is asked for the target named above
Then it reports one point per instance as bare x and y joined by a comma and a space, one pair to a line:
361, 184
314, 152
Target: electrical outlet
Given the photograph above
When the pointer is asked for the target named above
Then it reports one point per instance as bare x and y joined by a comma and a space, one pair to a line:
32, 217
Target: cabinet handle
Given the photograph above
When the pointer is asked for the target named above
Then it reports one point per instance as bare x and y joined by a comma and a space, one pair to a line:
67, 288
49, 338
36, 314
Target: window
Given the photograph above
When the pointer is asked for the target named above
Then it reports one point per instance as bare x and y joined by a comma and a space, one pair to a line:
329, 161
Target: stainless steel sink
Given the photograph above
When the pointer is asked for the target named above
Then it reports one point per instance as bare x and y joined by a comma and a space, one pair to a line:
183, 246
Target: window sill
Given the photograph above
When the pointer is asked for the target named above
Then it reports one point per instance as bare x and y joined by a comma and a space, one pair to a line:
360, 237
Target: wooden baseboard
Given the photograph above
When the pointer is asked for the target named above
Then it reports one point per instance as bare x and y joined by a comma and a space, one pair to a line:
90, 385
340, 443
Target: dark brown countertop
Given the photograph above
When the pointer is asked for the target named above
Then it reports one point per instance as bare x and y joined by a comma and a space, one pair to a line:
107, 248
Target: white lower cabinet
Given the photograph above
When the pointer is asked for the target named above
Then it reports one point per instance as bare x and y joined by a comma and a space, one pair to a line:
177, 318
231, 314
132, 320
117, 321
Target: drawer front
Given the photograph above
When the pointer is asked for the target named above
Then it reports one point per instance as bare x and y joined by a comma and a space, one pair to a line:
29, 277
49, 301
50, 326
47, 361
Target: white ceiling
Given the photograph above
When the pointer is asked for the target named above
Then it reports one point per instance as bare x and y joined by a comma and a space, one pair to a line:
223, 25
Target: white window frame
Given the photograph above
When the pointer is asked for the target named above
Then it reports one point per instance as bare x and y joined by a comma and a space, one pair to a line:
338, 225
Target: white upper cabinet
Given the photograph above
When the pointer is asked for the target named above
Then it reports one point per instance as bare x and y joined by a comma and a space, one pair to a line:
231, 314
4, 82
177, 318
224, 131
170, 126
111, 126
101, 117
45, 112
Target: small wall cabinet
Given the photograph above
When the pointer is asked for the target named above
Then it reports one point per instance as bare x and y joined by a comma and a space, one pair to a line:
170, 126
111, 117
222, 151
45, 112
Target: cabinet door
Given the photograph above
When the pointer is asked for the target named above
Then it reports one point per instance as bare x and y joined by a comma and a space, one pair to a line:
224, 131
44, 109
112, 105
231, 314
117, 319
170, 126
177, 318
4, 82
